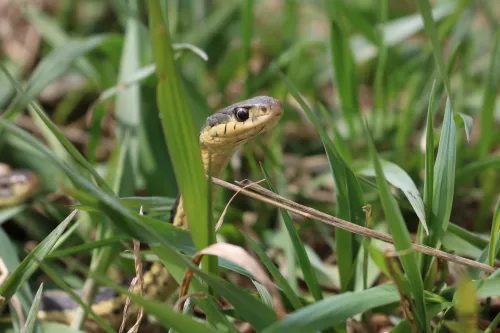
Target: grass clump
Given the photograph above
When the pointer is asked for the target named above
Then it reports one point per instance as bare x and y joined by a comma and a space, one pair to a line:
391, 121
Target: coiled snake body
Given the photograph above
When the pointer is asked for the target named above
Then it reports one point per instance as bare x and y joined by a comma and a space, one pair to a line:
223, 133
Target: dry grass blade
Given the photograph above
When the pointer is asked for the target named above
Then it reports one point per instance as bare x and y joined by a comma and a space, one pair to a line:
406, 304
259, 193
243, 259
221, 219
138, 279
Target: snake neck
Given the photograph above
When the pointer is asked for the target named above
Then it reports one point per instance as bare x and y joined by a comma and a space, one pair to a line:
220, 159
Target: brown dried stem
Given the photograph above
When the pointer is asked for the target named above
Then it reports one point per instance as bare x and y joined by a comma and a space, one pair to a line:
259, 193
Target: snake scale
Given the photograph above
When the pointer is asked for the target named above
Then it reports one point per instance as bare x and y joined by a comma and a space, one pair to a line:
223, 133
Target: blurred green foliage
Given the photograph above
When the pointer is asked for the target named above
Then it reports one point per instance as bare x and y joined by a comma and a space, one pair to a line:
388, 103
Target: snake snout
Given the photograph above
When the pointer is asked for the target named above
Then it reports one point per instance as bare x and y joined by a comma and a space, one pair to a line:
276, 107
269, 105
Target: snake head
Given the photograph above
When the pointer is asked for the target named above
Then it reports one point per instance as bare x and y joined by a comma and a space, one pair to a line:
236, 124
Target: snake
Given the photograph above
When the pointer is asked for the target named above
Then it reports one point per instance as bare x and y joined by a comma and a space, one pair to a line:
223, 133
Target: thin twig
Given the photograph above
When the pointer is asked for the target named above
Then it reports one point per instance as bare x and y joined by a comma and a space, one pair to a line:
221, 219
264, 195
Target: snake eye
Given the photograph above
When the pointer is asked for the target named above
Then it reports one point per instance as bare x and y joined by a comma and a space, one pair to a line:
241, 114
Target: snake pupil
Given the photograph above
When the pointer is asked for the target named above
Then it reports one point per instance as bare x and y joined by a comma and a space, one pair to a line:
241, 114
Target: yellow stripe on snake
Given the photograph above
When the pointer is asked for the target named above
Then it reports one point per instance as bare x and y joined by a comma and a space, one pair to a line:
224, 132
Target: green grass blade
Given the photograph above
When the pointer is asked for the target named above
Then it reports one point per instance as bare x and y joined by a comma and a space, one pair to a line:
291, 20
336, 309
10, 256
307, 269
350, 198
362, 24
31, 263
64, 286
276, 274
135, 225
180, 134
380, 88
396, 176
402, 240
344, 66
203, 33
102, 258
58, 134
469, 171
78, 249
429, 156
32, 315
444, 182
250, 308
495, 228
429, 169
338, 140
432, 34
144, 228
95, 132
489, 100
483, 257
264, 294
487, 138
466, 306
56, 64
472, 238
34, 107
7, 88
128, 100
493, 325
8, 213
149, 204
55, 35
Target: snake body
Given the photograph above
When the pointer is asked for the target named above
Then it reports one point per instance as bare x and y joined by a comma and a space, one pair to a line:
222, 134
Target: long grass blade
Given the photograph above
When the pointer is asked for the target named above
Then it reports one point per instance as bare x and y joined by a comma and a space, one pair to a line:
32, 315
444, 182
336, 309
495, 229
307, 269
350, 198
31, 263
431, 32
180, 133
276, 274
402, 240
